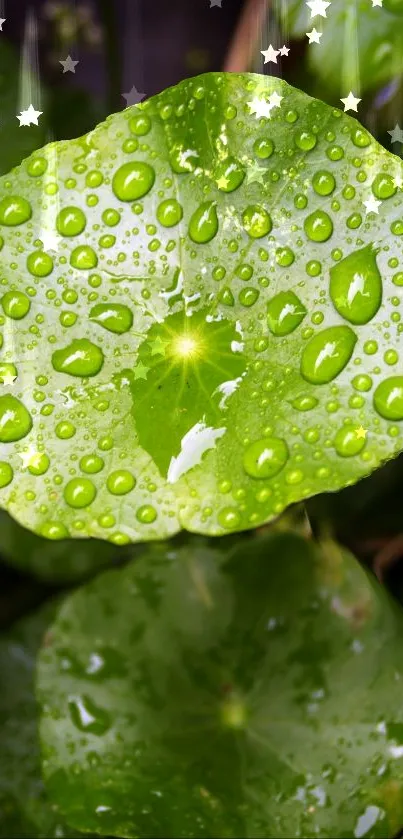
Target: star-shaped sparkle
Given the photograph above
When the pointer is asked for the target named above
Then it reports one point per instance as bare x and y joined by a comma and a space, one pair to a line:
350, 102
158, 346
361, 433
140, 371
255, 173
398, 181
30, 458
270, 54
222, 182
133, 97
2, 20
263, 109
318, 7
8, 379
29, 117
284, 50
396, 135
372, 205
50, 241
314, 36
69, 66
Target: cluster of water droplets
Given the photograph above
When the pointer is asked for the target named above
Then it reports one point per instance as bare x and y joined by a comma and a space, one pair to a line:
259, 223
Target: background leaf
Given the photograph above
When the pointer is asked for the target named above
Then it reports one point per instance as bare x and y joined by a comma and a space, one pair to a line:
217, 324
361, 46
25, 812
253, 695
54, 561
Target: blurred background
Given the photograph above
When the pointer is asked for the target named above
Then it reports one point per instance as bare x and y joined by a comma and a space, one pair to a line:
79, 61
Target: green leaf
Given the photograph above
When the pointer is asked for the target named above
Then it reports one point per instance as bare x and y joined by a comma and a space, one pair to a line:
361, 46
218, 334
25, 812
257, 694
61, 561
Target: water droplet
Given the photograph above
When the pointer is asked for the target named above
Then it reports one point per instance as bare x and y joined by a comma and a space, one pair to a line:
111, 217
313, 268
383, 186
54, 530
265, 458
323, 182
39, 464
115, 317
183, 160
360, 137
256, 221
39, 264
204, 223
15, 420
88, 717
37, 166
14, 211
284, 257
284, 313
91, 463
15, 304
229, 518
71, 221
305, 140
347, 443
169, 212
318, 226
327, 354
80, 358
133, 180
84, 258
146, 514
79, 492
120, 482
305, 403
362, 382
388, 398
248, 296
65, 430
140, 124
229, 175
6, 474
354, 221
335, 152
356, 286
263, 148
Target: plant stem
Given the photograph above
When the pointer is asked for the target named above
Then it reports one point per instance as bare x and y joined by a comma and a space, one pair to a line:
243, 46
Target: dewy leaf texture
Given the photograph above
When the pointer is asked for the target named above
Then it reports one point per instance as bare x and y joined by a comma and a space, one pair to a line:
200, 314
198, 694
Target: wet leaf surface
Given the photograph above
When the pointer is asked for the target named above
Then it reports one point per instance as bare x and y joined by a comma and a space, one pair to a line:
253, 694
201, 318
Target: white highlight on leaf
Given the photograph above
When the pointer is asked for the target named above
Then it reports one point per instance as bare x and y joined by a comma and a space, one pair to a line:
194, 444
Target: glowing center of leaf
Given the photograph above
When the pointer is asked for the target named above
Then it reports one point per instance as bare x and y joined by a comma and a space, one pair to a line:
186, 346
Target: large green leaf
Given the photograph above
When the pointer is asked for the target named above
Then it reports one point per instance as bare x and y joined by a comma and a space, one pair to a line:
361, 45
256, 695
25, 812
220, 326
